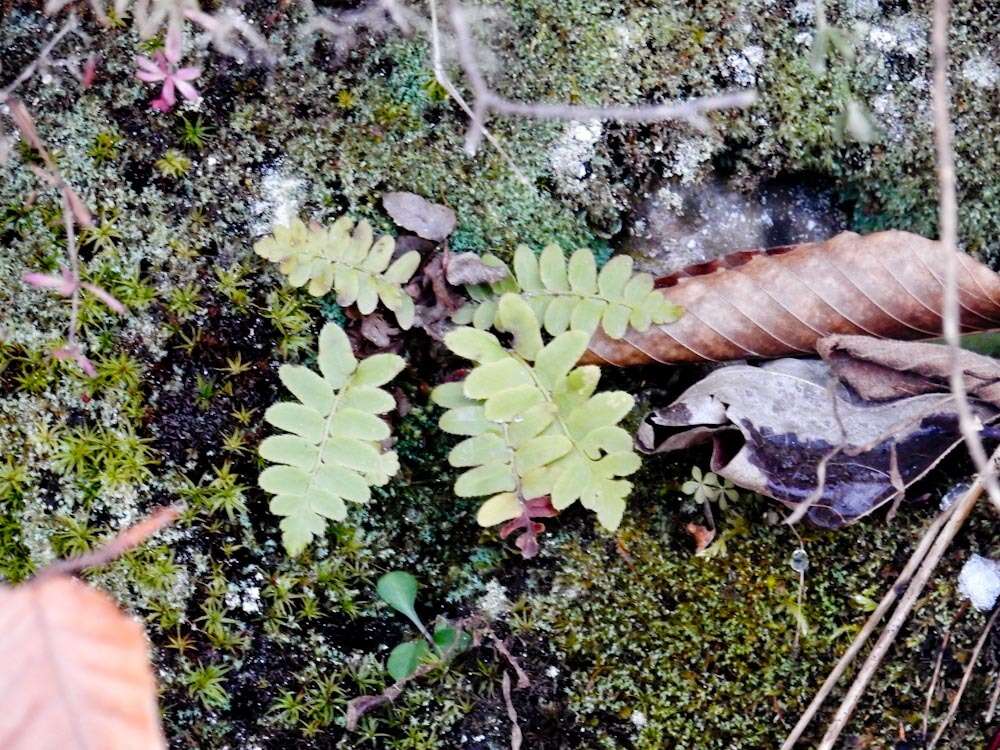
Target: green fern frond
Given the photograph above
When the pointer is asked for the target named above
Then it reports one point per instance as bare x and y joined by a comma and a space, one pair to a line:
572, 295
331, 451
534, 425
347, 259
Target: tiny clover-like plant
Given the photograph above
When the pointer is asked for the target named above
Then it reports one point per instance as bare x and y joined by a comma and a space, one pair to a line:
708, 487
332, 450
398, 589
346, 258
572, 295
534, 426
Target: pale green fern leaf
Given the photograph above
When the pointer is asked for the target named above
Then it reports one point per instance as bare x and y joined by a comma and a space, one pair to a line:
532, 422
571, 295
331, 450
347, 259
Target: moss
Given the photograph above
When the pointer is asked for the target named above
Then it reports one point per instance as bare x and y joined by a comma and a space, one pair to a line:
663, 649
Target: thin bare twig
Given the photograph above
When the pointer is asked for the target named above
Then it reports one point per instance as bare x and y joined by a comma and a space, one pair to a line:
957, 515
957, 698
866, 631
126, 540
487, 102
945, 640
948, 229
43, 58
991, 710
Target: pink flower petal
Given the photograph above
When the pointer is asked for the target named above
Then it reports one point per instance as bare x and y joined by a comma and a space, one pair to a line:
173, 44
142, 75
167, 93
149, 66
106, 297
73, 352
187, 74
188, 91
160, 106
86, 365
89, 72
64, 285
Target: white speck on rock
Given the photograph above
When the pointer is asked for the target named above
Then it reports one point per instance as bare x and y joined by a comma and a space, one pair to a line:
638, 719
569, 156
552, 672
883, 39
981, 72
494, 602
280, 198
979, 582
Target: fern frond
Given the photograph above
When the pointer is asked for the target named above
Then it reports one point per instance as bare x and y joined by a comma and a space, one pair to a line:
572, 295
331, 451
347, 259
534, 425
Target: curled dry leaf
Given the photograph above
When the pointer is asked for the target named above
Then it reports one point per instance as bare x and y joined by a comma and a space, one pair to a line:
432, 221
76, 671
781, 301
702, 536
879, 369
774, 426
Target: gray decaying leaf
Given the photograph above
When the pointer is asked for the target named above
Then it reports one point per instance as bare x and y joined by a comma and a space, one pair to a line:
772, 426
468, 268
432, 221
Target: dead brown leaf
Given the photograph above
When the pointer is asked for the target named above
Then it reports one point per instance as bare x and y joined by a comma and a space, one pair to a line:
76, 671
432, 221
880, 369
468, 268
702, 536
777, 302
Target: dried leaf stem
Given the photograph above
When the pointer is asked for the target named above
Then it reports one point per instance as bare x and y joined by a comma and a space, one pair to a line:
957, 698
948, 229
869, 627
957, 515
126, 540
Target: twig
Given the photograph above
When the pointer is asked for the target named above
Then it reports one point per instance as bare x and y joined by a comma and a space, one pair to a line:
487, 101
515, 729
953, 708
869, 627
948, 221
43, 57
126, 540
937, 665
957, 516
991, 710
441, 76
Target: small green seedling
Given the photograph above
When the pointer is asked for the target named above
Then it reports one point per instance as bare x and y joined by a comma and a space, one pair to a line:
398, 589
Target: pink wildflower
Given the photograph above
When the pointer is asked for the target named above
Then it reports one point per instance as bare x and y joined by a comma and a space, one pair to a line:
73, 352
163, 67
67, 283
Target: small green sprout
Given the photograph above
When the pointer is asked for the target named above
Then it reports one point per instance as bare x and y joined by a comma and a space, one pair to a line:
706, 487
173, 164
205, 684
195, 132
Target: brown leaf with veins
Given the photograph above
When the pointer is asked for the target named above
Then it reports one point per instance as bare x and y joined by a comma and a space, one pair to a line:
781, 301
432, 221
76, 671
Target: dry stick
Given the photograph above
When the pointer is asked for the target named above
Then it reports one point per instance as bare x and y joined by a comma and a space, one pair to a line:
486, 100
442, 77
993, 700
126, 540
957, 516
937, 665
869, 627
953, 708
68, 26
948, 221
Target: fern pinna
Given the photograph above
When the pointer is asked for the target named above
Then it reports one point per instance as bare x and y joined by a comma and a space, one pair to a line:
572, 295
347, 259
534, 427
332, 451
